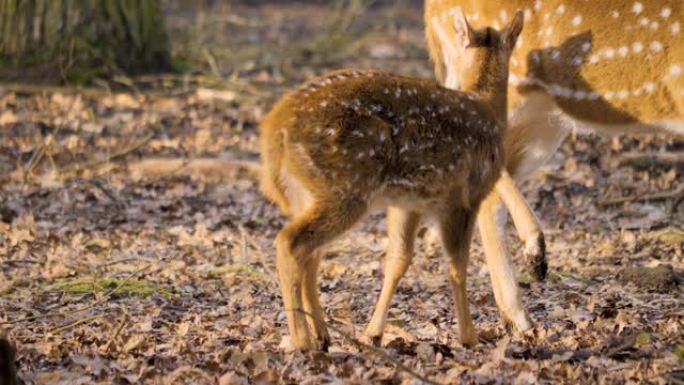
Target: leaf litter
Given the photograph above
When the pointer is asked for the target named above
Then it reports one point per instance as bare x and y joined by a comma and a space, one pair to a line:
130, 254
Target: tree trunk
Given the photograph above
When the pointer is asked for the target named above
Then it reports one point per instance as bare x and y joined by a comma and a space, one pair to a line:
82, 39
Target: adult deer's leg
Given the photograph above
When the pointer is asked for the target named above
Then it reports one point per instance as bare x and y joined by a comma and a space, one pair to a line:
535, 131
456, 230
526, 223
401, 232
501, 270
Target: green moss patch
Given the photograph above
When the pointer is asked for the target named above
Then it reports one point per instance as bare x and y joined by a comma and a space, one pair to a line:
103, 285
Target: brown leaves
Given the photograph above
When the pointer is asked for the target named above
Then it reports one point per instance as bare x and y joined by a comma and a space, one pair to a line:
184, 201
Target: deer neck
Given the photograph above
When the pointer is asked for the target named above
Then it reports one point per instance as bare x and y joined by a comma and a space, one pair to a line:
492, 86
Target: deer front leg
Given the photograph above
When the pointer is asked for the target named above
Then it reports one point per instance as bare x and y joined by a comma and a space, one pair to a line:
401, 232
456, 231
527, 225
501, 271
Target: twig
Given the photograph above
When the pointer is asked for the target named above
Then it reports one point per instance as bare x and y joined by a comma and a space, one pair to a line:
384, 355
118, 201
211, 60
37, 156
663, 195
123, 321
119, 154
115, 262
104, 299
243, 241
676, 203
71, 324
645, 158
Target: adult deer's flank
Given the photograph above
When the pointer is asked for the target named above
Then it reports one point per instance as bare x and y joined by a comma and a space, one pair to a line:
355, 139
606, 66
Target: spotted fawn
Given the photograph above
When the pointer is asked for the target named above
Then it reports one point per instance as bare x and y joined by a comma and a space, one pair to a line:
605, 66
356, 139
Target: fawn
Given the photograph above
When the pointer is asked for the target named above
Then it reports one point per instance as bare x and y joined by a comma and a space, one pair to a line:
609, 67
356, 139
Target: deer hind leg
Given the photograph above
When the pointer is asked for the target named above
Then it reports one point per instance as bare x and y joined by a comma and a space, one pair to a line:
456, 230
312, 305
401, 232
296, 245
527, 225
501, 271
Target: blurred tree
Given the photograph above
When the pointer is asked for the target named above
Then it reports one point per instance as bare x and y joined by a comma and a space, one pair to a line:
83, 39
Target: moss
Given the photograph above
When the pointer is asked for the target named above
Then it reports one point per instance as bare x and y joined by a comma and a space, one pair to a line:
679, 351
670, 235
642, 339
103, 285
238, 269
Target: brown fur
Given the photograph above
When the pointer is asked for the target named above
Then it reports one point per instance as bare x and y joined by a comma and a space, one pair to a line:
354, 139
585, 46
607, 66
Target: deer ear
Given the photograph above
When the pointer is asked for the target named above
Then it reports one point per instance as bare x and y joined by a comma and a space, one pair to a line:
465, 35
513, 29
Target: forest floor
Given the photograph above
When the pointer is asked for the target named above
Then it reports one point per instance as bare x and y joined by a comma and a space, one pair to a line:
128, 256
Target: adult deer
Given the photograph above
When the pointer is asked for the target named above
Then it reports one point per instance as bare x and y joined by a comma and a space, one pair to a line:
354, 139
606, 66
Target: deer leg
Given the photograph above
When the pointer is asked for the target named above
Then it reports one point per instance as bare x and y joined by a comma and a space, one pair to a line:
527, 225
501, 271
312, 305
401, 232
456, 231
295, 253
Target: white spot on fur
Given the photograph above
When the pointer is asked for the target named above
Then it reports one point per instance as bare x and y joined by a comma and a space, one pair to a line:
656, 46
654, 25
649, 87
528, 14
580, 95
503, 15
665, 12
676, 70
674, 28
637, 47
637, 8
614, 14
623, 51
560, 9
536, 57
577, 20
586, 46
